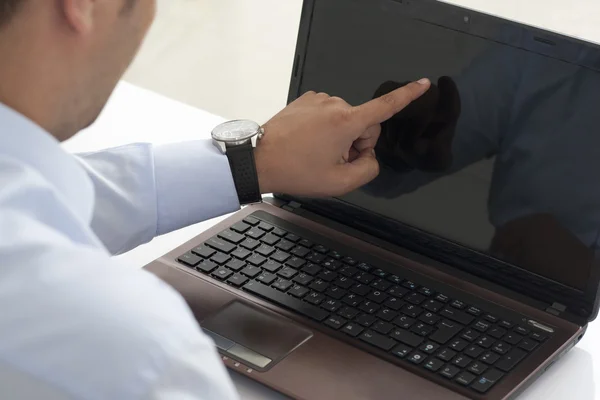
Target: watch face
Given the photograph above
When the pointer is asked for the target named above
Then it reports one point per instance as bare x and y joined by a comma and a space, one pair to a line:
235, 131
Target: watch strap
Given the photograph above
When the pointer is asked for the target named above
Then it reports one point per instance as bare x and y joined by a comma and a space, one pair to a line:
245, 176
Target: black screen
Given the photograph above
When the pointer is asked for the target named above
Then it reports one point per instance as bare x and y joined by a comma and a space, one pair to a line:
503, 157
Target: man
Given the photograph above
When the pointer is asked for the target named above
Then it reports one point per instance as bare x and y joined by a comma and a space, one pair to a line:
73, 324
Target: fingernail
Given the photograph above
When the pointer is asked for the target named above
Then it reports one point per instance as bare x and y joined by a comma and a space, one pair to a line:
373, 152
423, 81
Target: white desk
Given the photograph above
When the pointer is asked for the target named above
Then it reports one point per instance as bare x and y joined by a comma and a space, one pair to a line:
137, 115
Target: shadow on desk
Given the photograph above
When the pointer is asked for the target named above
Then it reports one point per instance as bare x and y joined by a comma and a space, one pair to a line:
570, 378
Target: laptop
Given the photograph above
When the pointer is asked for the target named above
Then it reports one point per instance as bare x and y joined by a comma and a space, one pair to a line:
468, 267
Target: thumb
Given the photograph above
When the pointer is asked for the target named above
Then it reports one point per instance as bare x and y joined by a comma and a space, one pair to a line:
359, 172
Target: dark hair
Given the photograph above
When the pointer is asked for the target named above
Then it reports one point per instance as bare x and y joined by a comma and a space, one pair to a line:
8, 8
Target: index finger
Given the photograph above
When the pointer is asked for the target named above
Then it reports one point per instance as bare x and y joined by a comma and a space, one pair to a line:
385, 107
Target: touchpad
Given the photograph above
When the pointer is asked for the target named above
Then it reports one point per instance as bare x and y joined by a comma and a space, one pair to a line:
254, 337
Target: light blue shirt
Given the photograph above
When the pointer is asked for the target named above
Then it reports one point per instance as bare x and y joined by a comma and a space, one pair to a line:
74, 324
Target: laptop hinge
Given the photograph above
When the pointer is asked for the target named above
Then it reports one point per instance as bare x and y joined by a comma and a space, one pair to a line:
292, 206
556, 309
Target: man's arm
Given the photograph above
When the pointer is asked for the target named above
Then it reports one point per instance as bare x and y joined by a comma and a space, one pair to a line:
143, 191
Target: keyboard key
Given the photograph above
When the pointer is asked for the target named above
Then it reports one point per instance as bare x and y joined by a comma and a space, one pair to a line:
332, 306
497, 332
293, 238
369, 307
473, 351
265, 250
335, 322
364, 266
251, 271
482, 326
511, 359
458, 345
446, 331
271, 266
282, 284
321, 249
465, 378
381, 285
364, 278
426, 291
366, 319
377, 296
250, 244
241, 253
206, 266
442, 298
404, 322
286, 301
280, 256
311, 269
251, 221
266, 277
335, 292
415, 298
490, 318
432, 305
285, 245
361, 289
300, 251
397, 291
458, 316
449, 371
348, 312
352, 299
220, 258
485, 342
461, 361
279, 232
303, 279
477, 368
348, 271
319, 285
344, 282
406, 337
489, 358
232, 236
237, 280
315, 298
270, 239
412, 310
331, 264
446, 354
235, 264
240, 227
255, 233
222, 273
306, 243
265, 227
470, 335
487, 380
299, 291
189, 259
429, 347
393, 303
501, 348
395, 279
349, 261
512, 338
352, 329
383, 327
379, 273
528, 344
422, 329
401, 350
327, 275
287, 272
416, 357
538, 336
506, 324
377, 340
335, 254
295, 262
409, 285
429, 318
433, 364
386, 314
522, 331
203, 251
316, 258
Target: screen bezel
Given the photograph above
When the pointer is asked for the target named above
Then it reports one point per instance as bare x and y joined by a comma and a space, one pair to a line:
584, 304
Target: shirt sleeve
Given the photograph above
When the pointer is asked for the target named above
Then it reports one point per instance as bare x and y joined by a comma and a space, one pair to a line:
143, 190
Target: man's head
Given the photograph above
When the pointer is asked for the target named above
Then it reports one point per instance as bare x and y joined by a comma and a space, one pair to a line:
61, 59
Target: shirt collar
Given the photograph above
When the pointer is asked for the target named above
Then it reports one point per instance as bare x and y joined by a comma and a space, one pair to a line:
22, 139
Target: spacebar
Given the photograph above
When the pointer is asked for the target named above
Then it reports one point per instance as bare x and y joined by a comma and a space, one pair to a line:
285, 300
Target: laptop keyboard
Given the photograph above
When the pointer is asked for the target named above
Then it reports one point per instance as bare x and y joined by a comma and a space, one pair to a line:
443, 335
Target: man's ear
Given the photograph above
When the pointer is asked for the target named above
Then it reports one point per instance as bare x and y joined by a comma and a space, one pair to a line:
79, 14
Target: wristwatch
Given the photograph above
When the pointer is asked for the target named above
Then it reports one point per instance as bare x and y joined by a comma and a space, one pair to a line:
237, 140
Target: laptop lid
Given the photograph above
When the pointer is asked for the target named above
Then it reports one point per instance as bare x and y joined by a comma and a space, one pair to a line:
495, 170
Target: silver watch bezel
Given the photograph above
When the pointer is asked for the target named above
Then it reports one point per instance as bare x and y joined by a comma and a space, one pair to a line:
222, 144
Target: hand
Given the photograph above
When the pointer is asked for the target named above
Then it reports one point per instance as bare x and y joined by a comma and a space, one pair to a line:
420, 136
321, 146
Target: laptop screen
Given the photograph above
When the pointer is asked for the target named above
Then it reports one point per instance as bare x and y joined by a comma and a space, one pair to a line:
501, 156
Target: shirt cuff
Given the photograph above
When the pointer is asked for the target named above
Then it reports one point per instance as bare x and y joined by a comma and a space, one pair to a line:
193, 183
